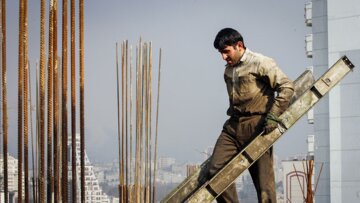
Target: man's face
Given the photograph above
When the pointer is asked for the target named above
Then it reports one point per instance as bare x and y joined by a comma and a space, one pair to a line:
232, 54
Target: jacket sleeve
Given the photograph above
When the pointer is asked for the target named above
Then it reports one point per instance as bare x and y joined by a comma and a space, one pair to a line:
279, 82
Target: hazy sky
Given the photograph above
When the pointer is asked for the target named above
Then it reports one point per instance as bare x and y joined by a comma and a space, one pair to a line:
193, 95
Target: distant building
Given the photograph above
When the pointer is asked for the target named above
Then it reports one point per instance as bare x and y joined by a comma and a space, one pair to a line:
93, 192
12, 178
335, 32
165, 162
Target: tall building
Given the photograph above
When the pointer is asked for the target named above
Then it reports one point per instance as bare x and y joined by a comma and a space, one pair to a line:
93, 192
335, 32
12, 178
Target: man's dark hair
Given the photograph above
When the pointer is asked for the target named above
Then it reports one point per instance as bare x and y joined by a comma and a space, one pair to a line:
227, 37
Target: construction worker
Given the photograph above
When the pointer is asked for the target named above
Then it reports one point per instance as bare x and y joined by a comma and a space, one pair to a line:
258, 93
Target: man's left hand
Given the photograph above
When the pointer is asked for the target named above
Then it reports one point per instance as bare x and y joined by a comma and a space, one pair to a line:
271, 122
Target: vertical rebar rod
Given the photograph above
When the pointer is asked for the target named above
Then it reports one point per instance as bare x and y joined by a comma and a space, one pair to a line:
140, 98
118, 114
56, 151
26, 103
64, 116
146, 121
137, 155
42, 104
73, 104
156, 128
131, 122
126, 122
20, 99
37, 133
150, 120
50, 103
122, 121
55, 67
26, 133
32, 135
142, 123
82, 107
4, 99
118, 120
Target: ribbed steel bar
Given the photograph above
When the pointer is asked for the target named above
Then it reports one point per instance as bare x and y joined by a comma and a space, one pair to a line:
137, 130
42, 104
4, 99
150, 120
35, 144
142, 122
64, 116
118, 114
50, 104
73, 102
122, 194
82, 104
56, 137
156, 129
20, 99
126, 122
131, 125
55, 180
146, 121
26, 103
32, 136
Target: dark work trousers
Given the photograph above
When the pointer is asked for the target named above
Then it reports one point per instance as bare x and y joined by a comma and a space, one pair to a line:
236, 133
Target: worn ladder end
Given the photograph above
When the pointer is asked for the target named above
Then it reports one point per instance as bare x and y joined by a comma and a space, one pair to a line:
347, 62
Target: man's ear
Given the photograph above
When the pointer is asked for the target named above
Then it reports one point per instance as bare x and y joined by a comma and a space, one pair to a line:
239, 44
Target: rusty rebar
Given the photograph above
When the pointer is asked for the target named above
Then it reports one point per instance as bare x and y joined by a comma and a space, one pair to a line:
20, 98
26, 103
50, 103
73, 103
36, 142
137, 126
64, 117
55, 67
119, 126
82, 97
150, 120
4, 99
146, 120
131, 122
42, 104
126, 122
118, 114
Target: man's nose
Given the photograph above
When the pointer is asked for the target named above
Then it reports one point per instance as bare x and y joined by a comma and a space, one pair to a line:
224, 56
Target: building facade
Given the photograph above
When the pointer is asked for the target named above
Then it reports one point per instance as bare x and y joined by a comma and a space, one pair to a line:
335, 29
93, 191
12, 178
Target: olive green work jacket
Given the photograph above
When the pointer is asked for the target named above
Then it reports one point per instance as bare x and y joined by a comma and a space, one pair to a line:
256, 85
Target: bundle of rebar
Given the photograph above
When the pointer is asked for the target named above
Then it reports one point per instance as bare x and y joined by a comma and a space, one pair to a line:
50, 166
137, 181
